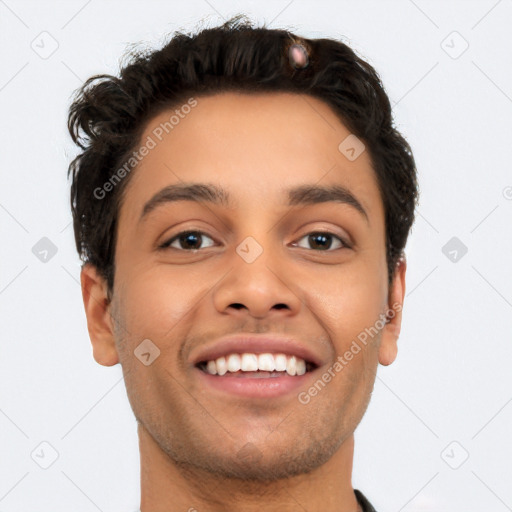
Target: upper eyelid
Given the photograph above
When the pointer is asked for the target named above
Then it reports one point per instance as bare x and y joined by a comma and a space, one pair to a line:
166, 243
346, 244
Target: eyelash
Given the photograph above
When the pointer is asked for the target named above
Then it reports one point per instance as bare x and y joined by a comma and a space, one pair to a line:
166, 245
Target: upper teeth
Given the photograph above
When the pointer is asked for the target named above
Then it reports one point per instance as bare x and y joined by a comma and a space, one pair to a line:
252, 362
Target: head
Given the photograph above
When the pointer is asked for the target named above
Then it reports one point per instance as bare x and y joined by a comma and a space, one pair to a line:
292, 199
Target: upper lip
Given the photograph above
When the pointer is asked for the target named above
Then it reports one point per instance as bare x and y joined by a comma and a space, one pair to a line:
255, 344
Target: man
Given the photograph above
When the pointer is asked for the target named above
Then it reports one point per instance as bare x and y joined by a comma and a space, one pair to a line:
241, 204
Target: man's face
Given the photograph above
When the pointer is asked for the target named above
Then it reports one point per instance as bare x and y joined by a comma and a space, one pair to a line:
259, 268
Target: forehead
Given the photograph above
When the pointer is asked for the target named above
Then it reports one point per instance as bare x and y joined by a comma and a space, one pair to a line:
254, 146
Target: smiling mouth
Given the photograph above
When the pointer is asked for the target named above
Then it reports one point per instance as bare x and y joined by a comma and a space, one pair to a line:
256, 366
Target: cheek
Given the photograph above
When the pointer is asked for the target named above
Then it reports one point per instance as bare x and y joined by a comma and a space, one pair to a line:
155, 303
347, 302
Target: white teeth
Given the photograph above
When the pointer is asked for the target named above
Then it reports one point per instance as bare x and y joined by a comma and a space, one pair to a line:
291, 366
233, 363
211, 367
280, 360
266, 362
222, 365
248, 362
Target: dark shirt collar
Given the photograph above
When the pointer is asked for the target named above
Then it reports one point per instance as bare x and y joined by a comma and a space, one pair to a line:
365, 504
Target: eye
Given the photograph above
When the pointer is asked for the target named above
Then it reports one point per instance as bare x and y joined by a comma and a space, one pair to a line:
322, 240
187, 240
191, 241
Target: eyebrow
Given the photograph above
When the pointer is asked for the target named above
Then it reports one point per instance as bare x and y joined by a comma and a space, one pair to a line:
302, 195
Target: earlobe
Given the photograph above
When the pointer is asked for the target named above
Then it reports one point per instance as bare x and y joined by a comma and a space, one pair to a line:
97, 311
390, 332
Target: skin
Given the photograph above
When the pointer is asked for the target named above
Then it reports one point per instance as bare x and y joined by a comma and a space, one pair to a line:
190, 436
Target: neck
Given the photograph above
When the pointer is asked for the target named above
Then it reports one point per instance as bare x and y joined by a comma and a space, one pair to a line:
167, 486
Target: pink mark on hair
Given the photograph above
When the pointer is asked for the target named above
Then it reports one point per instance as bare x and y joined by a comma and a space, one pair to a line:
298, 56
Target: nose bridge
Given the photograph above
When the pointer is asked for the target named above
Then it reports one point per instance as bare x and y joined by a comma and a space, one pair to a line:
256, 261
258, 279
258, 239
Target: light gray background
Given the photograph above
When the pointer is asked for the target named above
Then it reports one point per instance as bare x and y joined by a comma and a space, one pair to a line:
447, 396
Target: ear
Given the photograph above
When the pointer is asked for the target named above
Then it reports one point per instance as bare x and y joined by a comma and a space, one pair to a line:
97, 310
390, 332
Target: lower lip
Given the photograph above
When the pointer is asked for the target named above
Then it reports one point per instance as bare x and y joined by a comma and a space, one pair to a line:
255, 387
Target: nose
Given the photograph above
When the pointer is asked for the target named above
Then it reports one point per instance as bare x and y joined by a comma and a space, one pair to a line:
262, 288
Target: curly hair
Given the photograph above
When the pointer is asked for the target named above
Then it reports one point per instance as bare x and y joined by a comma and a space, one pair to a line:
108, 115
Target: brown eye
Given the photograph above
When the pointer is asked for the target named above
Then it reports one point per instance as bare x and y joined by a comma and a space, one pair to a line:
323, 241
187, 240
